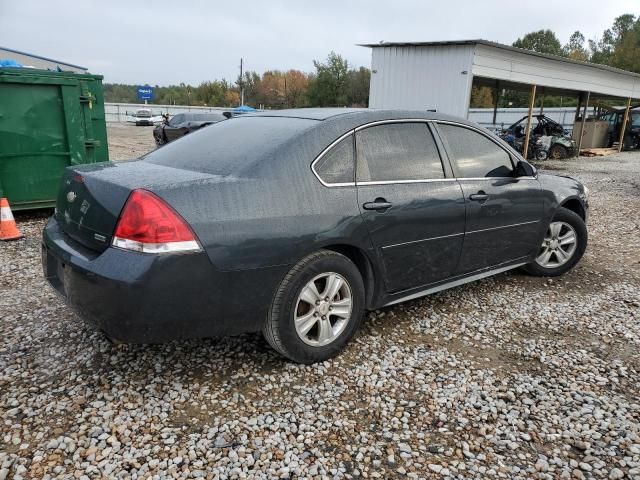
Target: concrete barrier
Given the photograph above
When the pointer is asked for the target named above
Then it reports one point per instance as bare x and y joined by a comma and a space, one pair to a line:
116, 112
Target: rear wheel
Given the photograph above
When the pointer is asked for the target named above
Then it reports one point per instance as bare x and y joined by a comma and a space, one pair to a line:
562, 247
557, 152
159, 138
317, 308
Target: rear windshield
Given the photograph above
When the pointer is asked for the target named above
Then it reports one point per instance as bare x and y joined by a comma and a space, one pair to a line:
229, 147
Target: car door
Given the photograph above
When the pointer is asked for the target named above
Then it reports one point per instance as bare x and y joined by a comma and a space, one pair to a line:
503, 211
173, 129
413, 210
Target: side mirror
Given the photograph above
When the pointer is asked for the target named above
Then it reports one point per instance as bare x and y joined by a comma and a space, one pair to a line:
525, 169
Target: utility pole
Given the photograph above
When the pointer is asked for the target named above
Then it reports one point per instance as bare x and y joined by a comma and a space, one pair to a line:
241, 85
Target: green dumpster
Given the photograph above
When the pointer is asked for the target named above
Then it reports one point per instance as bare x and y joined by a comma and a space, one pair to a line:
48, 121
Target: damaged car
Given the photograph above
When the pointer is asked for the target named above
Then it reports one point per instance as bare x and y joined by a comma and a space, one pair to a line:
548, 138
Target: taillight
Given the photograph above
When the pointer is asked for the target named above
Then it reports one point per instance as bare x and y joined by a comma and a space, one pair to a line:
148, 224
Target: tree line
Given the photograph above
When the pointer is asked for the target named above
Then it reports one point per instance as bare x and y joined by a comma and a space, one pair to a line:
335, 83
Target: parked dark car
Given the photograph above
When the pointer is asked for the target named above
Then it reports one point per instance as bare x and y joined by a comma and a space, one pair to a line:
181, 124
632, 131
296, 222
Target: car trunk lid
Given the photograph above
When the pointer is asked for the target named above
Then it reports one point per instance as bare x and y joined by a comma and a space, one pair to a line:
91, 197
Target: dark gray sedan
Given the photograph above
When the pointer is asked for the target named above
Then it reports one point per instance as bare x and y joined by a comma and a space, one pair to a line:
295, 222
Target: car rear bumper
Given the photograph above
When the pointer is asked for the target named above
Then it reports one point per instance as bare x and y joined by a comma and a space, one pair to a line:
145, 298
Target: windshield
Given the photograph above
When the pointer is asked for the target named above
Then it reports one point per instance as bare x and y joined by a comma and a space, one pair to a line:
229, 147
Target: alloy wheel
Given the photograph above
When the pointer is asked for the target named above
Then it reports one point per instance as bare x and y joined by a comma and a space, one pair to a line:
559, 245
323, 309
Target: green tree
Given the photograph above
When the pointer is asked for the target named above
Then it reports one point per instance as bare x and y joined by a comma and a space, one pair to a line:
575, 49
542, 41
358, 87
626, 54
481, 97
328, 88
603, 49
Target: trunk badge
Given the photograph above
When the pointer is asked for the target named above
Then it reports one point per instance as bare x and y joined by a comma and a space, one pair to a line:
71, 196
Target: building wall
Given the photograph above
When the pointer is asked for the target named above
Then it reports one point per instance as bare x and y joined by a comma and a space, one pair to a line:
422, 78
37, 62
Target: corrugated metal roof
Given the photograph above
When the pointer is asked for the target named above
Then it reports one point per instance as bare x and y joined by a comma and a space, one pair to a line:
500, 46
42, 58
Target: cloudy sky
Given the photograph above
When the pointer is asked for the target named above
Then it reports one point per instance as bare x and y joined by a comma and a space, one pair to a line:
167, 42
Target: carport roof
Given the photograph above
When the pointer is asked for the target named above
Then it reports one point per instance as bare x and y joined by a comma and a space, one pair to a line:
510, 66
500, 46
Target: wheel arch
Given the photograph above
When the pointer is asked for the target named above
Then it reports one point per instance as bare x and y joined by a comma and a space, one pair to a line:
575, 205
364, 264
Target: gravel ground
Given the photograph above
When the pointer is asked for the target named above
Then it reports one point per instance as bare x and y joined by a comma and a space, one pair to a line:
509, 377
128, 141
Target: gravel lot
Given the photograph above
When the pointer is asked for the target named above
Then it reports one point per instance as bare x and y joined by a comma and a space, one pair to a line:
510, 377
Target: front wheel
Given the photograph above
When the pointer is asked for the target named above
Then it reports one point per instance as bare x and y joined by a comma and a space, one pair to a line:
558, 152
541, 154
562, 247
317, 308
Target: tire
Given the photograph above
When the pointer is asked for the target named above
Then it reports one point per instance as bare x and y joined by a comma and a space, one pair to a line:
160, 140
280, 327
557, 152
553, 268
541, 155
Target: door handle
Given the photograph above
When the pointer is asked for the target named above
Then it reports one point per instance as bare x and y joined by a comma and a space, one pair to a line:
378, 204
479, 197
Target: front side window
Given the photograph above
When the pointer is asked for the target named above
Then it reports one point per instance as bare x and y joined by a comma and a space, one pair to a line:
337, 165
474, 155
397, 152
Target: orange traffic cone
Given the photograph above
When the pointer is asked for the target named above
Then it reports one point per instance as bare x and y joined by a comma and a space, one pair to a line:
8, 227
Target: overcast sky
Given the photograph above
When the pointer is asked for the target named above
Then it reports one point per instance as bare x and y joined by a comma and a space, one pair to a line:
168, 42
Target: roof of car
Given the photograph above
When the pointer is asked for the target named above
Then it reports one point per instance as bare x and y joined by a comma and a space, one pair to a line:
363, 114
307, 113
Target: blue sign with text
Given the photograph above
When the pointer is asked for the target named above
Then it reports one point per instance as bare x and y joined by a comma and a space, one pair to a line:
145, 93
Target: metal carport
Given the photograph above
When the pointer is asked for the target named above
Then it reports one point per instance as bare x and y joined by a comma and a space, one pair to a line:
440, 75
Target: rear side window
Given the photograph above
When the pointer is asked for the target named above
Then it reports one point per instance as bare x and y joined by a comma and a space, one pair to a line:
474, 154
397, 152
337, 165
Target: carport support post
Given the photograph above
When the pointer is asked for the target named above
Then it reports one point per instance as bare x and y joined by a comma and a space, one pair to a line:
532, 99
495, 104
624, 125
584, 119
